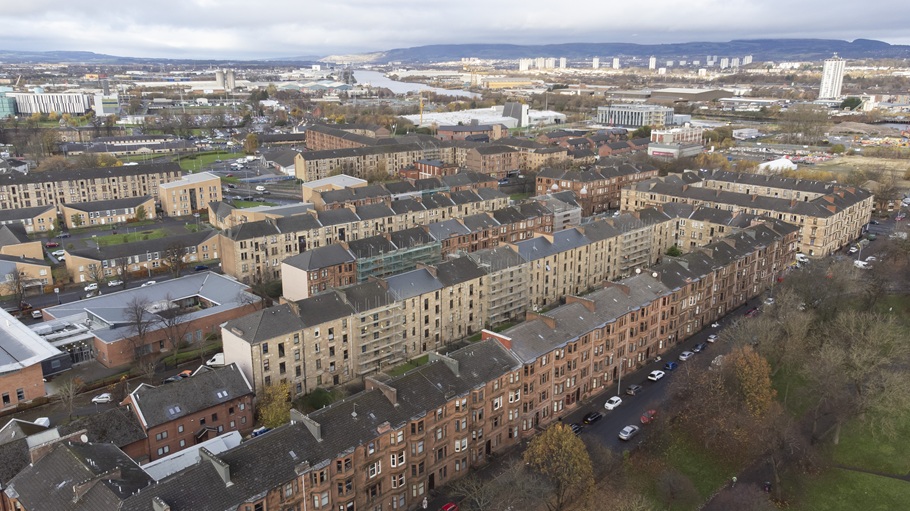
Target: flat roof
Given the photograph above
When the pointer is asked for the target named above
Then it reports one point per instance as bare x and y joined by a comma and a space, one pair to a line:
19, 346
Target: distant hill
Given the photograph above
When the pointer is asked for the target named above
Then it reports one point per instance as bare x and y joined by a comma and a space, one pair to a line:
87, 57
760, 49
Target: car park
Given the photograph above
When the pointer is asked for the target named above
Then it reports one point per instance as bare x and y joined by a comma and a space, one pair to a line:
656, 375
114, 283
633, 389
613, 402
92, 287
686, 355
592, 417
698, 348
670, 366
628, 432
102, 398
712, 338
648, 416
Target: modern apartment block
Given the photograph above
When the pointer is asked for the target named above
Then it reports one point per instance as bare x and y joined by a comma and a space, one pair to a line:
34, 219
829, 216
55, 188
190, 194
634, 115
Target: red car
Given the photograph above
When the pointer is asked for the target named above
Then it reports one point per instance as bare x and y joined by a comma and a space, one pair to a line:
451, 506
51, 244
648, 416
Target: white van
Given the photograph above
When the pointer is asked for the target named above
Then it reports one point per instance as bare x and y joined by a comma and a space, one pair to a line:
862, 265
802, 258
216, 361
260, 188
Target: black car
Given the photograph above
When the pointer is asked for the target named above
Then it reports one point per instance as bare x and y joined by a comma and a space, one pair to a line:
592, 417
63, 235
576, 428
699, 347
633, 389
200, 267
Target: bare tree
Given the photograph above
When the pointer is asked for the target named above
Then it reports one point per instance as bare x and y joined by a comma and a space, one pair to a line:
14, 285
67, 392
174, 256
95, 274
140, 322
174, 327
122, 270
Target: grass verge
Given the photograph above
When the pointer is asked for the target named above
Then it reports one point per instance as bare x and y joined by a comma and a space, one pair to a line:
407, 366
875, 452
845, 490
118, 239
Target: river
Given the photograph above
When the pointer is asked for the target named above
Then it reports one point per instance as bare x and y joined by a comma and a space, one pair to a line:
377, 79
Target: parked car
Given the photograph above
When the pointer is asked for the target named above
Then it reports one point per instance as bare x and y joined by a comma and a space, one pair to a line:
712, 338
576, 428
853, 250
592, 417
186, 373
260, 188
102, 398
633, 389
613, 402
94, 293
92, 287
648, 416
451, 506
200, 267
628, 432
670, 366
36, 314
114, 283
698, 348
686, 355
58, 253
149, 283
51, 244
172, 379
656, 375
751, 313
64, 235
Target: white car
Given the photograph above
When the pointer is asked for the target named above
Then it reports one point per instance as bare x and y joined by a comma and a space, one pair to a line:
853, 250
656, 375
686, 355
862, 265
260, 188
102, 398
871, 259
769, 300
58, 253
92, 287
628, 432
613, 402
114, 283
149, 283
712, 338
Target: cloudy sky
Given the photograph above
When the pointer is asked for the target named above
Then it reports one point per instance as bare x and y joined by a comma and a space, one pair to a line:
278, 28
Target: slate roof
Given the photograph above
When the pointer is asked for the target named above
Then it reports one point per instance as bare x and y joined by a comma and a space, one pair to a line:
13, 234
266, 324
10, 215
479, 222
353, 194
371, 246
494, 149
407, 206
322, 257
87, 173
367, 296
457, 270
203, 390
118, 426
336, 216
407, 238
323, 307
447, 229
413, 283
102, 205
49, 482
496, 259
400, 187
373, 211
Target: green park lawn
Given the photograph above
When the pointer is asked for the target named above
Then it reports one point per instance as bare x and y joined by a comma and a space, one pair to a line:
845, 490
117, 239
199, 160
861, 447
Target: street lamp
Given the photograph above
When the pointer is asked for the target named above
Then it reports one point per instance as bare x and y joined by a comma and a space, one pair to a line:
622, 362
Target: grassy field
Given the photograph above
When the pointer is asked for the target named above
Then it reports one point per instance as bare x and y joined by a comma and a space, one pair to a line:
199, 160
118, 239
706, 472
844, 490
845, 164
861, 448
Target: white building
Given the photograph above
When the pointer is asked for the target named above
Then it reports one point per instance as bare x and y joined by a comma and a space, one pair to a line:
652, 63
635, 115
562, 62
45, 103
832, 78
596, 63
615, 62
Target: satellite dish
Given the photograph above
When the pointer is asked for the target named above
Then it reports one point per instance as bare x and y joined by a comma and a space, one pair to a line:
555, 187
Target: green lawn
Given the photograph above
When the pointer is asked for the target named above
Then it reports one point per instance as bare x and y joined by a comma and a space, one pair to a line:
117, 239
844, 490
789, 391
251, 204
876, 452
707, 472
519, 196
199, 160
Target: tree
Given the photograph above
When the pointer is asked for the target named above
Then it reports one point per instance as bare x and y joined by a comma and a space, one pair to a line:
275, 405
851, 103
14, 285
561, 458
174, 256
54, 163
140, 322
250, 143
515, 488
67, 392
804, 123
121, 269
674, 251
141, 213
753, 379
174, 327
642, 132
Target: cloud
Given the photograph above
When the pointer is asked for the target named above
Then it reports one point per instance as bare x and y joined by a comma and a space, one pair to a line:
275, 28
